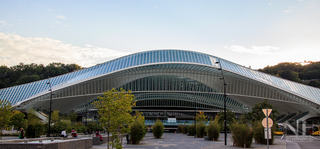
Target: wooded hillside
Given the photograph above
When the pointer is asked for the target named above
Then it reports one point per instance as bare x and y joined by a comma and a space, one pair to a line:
308, 74
25, 73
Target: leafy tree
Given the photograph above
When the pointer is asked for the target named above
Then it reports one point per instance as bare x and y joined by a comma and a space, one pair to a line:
213, 129
73, 116
230, 118
201, 117
114, 109
32, 118
17, 119
256, 114
138, 128
55, 116
5, 113
25, 73
158, 129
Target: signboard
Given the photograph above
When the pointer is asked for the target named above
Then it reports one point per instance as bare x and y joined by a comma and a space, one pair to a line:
264, 122
172, 120
265, 133
267, 111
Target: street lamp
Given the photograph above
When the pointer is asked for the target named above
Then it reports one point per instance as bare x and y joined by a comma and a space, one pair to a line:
195, 116
224, 102
50, 107
85, 97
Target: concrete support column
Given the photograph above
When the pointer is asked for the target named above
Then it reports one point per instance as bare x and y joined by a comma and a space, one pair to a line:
297, 127
304, 128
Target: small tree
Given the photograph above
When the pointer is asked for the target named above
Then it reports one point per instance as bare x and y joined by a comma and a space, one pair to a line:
73, 116
55, 116
158, 129
34, 126
5, 113
17, 119
138, 128
258, 133
201, 117
257, 114
191, 130
241, 135
214, 129
230, 118
114, 109
201, 129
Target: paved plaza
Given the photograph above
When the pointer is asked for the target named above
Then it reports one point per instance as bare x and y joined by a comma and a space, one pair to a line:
182, 141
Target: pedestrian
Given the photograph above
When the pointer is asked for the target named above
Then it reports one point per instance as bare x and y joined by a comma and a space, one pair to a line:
74, 133
98, 135
64, 133
21, 135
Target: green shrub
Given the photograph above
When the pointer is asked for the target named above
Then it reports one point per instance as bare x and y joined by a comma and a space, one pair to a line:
57, 128
137, 132
258, 133
94, 127
180, 127
241, 135
185, 129
79, 127
158, 129
201, 130
34, 130
191, 130
213, 130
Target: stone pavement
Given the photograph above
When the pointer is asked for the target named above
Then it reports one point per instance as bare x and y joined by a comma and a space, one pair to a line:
182, 141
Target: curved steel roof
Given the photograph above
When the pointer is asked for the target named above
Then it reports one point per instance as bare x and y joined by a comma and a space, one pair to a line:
28, 91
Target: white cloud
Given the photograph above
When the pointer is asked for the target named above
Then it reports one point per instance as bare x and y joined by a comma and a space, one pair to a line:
62, 24
4, 23
15, 49
286, 11
269, 3
61, 17
256, 50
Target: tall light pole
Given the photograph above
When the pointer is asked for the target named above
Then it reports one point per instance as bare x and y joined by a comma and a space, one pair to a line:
195, 116
85, 97
50, 111
224, 102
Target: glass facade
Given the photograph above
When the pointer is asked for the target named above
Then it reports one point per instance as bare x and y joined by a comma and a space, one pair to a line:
171, 71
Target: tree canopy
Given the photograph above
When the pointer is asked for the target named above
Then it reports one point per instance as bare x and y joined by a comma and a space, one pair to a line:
26, 73
256, 114
114, 109
308, 74
5, 114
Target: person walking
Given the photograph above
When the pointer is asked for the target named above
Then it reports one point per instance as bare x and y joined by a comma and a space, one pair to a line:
21, 135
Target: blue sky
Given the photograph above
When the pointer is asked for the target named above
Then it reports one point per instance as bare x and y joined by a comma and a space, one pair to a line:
252, 33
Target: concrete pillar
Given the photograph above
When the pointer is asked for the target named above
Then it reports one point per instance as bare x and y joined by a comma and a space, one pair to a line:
297, 127
304, 128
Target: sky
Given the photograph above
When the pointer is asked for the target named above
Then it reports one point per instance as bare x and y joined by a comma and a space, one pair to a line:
254, 33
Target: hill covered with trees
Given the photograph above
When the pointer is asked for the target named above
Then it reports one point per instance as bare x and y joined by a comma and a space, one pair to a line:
25, 73
309, 73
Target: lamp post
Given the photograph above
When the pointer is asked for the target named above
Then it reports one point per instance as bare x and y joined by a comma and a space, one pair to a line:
50, 107
85, 97
195, 116
224, 102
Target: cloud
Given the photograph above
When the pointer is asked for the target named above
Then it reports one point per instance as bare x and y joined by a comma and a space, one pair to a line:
256, 50
61, 17
4, 23
286, 11
62, 24
15, 49
269, 3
